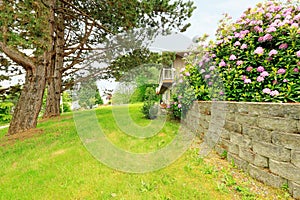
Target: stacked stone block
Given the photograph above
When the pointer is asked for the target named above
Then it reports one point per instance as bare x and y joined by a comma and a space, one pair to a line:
263, 139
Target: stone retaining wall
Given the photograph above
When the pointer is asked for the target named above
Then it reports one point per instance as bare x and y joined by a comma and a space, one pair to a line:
263, 139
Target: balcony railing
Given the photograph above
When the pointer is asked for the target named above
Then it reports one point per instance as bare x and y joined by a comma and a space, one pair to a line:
165, 79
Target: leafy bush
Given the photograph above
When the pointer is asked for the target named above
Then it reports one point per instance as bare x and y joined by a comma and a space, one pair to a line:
149, 109
255, 58
5, 112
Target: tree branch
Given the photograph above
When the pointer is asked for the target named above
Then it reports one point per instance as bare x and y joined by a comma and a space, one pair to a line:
86, 15
18, 57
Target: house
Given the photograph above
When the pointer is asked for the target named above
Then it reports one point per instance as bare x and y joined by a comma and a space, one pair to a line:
167, 78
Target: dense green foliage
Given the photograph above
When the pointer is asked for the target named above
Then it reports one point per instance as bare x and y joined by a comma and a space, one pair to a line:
66, 102
5, 112
150, 105
89, 95
255, 58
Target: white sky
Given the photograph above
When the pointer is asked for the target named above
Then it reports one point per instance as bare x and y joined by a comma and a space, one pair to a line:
209, 12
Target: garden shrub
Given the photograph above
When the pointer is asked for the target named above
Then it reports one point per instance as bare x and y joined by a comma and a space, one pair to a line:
149, 109
256, 58
5, 111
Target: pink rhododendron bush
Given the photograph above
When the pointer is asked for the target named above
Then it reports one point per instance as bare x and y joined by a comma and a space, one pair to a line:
256, 58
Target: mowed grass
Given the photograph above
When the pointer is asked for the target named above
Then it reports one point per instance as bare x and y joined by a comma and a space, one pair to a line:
54, 164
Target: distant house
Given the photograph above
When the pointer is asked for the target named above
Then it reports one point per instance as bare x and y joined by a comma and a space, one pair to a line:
167, 77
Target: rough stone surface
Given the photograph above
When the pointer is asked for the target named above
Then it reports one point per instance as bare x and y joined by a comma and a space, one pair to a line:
245, 119
266, 177
261, 161
234, 149
290, 141
238, 161
278, 124
231, 126
246, 154
236, 138
285, 170
295, 157
257, 134
295, 189
272, 151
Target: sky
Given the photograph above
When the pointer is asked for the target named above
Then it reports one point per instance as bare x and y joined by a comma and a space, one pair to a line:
205, 18
203, 21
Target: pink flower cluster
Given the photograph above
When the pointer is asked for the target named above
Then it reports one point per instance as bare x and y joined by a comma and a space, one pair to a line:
259, 51
270, 92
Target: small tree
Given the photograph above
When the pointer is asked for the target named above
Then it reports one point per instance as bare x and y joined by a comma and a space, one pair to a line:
98, 98
149, 109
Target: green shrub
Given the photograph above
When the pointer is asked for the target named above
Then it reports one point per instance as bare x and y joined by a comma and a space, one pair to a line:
5, 112
149, 109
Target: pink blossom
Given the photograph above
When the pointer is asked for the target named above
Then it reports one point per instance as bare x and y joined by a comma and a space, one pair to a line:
271, 29
179, 105
202, 71
258, 29
285, 80
219, 42
295, 25
221, 93
244, 77
260, 79
296, 70
237, 43
222, 64
260, 69
210, 83
182, 69
187, 74
232, 57
269, 15
274, 93
273, 52
268, 37
211, 68
278, 16
207, 76
297, 17
266, 91
246, 81
213, 55
179, 97
236, 35
249, 69
283, 46
264, 74
281, 71
288, 17
244, 46
261, 39
245, 32
298, 53
259, 50
239, 62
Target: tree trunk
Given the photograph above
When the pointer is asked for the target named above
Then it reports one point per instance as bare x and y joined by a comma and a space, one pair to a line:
54, 85
54, 79
30, 102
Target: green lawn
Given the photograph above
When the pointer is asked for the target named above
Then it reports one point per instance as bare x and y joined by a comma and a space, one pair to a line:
54, 164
